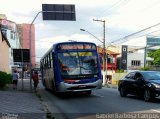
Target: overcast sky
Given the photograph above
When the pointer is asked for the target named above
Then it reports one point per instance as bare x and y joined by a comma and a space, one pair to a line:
123, 17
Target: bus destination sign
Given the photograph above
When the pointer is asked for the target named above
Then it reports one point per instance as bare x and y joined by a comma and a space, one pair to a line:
76, 46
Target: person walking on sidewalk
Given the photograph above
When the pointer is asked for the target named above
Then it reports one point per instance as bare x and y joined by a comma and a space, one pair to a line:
35, 80
15, 79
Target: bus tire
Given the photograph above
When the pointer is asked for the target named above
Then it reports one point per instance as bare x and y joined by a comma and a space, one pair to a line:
53, 87
44, 83
88, 92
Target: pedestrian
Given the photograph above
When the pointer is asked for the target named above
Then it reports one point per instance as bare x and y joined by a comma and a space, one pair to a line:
35, 80
15, 79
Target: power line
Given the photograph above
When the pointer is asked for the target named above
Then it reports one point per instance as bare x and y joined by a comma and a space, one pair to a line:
140, 36
111, 8
133, 34
117, 5
144, 47
151, 33
150, 6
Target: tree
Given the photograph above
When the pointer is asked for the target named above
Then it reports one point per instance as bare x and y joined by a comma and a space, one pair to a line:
156, 56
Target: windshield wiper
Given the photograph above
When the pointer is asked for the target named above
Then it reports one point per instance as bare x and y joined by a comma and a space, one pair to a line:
71, 56
85, 68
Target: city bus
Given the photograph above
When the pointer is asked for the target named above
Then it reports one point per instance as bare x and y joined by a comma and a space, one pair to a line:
71, 67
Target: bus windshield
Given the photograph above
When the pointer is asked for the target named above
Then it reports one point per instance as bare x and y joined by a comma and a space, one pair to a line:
73, 64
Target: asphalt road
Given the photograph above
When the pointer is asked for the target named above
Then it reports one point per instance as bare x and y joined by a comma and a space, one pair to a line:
100, 104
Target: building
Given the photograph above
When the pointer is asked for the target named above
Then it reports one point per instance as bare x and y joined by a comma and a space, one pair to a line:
138, 50
110, 63
9, 30
24, 35
4, 56
152, 44
3, 16
135, 60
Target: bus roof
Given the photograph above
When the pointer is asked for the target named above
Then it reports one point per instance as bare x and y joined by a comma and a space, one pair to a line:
73, 42
54, 46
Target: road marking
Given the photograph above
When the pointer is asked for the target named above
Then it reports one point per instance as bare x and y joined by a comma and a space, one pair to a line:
98, 95
158, 111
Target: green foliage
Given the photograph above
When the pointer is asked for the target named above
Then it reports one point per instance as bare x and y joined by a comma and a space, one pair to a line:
5, 79
150, 54
9, 78
145, 68
120, 71
156, 56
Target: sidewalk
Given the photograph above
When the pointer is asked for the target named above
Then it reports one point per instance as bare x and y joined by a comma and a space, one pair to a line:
18, 104
111, 86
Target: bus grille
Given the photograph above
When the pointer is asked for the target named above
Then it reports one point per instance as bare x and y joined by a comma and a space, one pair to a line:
81, 87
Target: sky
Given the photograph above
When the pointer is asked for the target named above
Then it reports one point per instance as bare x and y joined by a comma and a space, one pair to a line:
123, 17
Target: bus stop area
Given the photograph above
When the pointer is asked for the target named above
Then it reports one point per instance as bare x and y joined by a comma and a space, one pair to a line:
24, 104
21, 104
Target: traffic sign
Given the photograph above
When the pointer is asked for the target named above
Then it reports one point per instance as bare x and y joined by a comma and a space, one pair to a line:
21, 55
58, 12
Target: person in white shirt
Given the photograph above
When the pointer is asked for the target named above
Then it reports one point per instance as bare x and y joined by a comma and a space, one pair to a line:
15, 79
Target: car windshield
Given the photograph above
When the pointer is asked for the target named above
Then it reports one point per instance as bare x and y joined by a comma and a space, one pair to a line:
151, 75
78, 63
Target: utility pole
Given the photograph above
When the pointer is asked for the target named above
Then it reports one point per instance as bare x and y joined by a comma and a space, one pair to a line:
30, 47
104, 50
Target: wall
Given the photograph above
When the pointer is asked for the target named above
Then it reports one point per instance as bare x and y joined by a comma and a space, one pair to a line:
116, 77
4, 55
135, 56
24, 30
9, 29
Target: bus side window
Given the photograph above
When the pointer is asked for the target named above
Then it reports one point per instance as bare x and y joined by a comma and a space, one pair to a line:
53, 56
51, 59
47, 64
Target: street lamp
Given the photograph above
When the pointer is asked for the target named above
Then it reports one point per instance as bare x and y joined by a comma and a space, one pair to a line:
91, 35
104, 49
103, 42
30, 47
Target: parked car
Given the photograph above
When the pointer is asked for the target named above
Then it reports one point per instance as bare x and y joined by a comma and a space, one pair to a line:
141, 83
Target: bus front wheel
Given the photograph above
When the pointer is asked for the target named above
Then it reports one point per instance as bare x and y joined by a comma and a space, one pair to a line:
88, 92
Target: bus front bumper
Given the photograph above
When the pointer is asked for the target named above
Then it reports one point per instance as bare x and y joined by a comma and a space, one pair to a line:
66, 87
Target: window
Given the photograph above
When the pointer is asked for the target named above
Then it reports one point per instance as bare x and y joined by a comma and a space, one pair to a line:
124, 61
42, 64
12, 35
12, 52
124, 49
4, 32
51, 59
138, 76
130, 75
46, 62
135, 62
110, 60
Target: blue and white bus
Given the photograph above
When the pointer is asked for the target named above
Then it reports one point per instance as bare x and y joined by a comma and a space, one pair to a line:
71, 67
